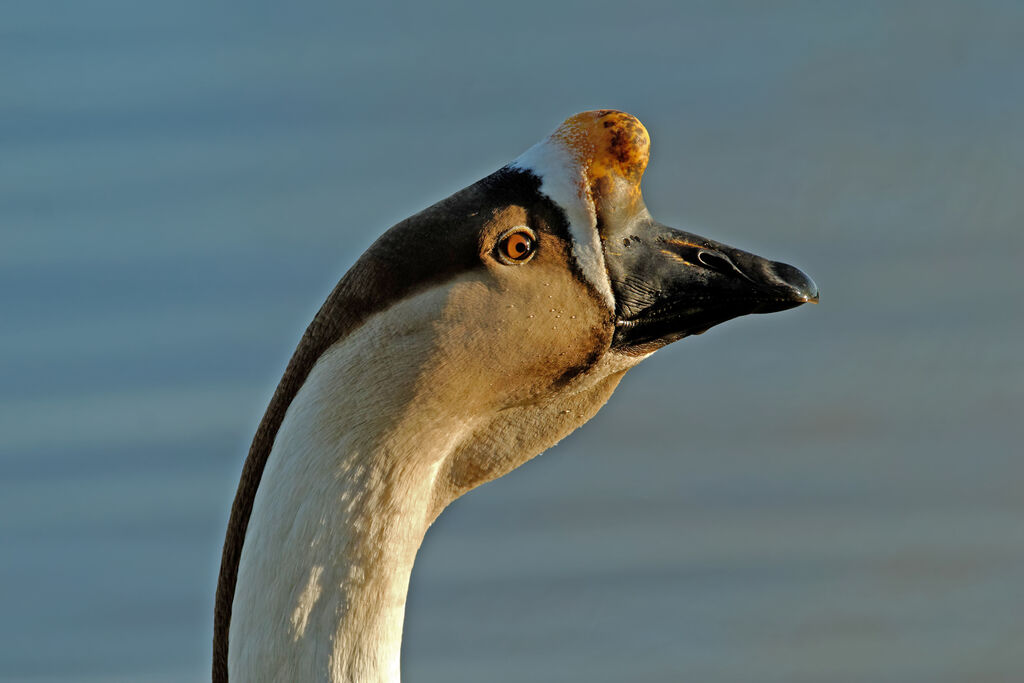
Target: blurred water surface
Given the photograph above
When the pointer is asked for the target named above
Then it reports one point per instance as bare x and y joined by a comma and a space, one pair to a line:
829, 494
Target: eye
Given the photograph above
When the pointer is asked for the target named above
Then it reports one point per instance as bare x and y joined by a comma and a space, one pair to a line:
517, 245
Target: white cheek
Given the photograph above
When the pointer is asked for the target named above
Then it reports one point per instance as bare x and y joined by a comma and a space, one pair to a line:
563, 182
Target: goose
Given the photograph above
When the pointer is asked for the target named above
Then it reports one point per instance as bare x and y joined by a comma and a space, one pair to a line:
466, 340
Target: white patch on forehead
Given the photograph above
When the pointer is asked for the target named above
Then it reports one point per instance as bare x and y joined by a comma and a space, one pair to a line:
564, 182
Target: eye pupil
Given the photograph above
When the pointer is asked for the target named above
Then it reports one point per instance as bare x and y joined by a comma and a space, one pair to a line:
518, 246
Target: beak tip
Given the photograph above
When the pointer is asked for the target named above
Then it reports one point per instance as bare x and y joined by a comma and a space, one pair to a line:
810, 296
798, 282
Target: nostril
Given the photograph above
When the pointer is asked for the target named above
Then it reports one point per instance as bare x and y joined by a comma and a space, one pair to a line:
715, 261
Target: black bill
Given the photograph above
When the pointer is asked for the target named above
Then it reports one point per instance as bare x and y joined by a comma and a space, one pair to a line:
670, 284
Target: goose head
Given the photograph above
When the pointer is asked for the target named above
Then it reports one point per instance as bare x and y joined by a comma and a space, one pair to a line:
531, 292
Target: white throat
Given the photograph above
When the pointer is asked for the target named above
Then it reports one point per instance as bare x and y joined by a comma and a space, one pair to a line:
343, 505
378, 440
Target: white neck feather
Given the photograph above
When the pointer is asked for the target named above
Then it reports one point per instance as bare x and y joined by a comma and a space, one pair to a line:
377, 441
343, 505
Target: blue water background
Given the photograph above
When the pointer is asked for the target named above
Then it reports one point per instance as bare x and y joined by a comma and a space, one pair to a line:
832, 494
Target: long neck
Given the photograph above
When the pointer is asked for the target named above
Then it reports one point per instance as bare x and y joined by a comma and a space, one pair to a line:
344, 502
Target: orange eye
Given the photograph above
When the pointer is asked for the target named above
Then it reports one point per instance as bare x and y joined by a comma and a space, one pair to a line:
517, 246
